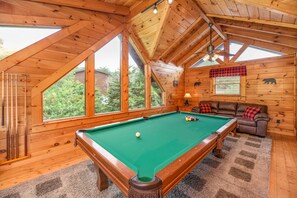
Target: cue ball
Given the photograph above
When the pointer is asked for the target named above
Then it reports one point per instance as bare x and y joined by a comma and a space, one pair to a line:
137, 134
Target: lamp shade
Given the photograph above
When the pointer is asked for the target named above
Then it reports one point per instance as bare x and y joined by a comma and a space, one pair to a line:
187, 95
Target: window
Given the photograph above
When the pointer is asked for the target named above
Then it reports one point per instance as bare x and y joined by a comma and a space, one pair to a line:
107, 77
136, 80
229, 85
253, 52
13, 39
156, 94
66, 98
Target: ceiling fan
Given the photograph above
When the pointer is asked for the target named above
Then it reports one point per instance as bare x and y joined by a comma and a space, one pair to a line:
212, 53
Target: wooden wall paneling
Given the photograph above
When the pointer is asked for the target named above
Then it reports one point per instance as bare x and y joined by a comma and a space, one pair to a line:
270, 38
254, 20
295, 92
258, 27
180, 38
134, 11
279, 97
203, 29
125, 72
23, 20
41, 45
281, 7
90, 86
201, 44
161, 29
90, 5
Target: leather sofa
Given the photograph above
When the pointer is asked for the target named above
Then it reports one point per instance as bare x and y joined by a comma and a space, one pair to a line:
258, 126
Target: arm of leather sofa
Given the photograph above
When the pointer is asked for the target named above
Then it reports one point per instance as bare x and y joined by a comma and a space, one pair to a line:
196, 109
261, 117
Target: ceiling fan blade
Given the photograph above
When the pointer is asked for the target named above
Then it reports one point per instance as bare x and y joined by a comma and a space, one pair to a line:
223, 53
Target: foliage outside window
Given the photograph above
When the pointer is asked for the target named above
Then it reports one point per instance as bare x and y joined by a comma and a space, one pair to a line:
66, 98
13, 39
229, 85
107, 77
156, 94
136, 80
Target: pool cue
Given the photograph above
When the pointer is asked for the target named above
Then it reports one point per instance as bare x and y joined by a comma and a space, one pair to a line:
2, 118
16, 118
25, 119
7, 118
11, 117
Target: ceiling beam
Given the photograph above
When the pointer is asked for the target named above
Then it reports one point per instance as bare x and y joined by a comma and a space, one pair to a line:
258, 27
260, 21
161, 29
207, 19
272, 5
270, 38
199, 55
198, 47
265, 45
180, 38
138, 45
135, 10
94, 5
203, 29
240, 51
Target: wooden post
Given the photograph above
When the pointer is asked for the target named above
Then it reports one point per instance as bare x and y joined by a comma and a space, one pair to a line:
125, 72
17, 153
90, 86
227, 50
148, 81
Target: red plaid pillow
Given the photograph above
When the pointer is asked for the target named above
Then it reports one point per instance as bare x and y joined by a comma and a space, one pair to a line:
205, 108
250, 112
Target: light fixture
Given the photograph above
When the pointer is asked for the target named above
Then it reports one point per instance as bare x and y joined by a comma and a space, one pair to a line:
155, 10
211, 55
170, 1
187, 96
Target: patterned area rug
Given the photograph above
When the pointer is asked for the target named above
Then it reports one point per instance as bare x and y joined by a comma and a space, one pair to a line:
243, 172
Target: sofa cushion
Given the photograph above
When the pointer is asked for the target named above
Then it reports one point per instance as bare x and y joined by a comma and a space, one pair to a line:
230, 106
205, 108
246, 122
242, 107
213, 104
251, 112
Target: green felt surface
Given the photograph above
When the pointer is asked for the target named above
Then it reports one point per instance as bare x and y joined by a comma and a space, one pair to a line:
163, 138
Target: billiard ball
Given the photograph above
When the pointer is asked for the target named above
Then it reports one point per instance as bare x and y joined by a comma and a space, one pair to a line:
137, 134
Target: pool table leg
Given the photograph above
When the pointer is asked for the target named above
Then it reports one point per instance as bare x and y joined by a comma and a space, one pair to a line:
102, 180
218, 150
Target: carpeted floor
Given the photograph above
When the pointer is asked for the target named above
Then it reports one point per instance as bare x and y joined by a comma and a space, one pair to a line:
243, 172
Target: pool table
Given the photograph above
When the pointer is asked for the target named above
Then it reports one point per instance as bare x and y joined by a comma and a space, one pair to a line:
168, 148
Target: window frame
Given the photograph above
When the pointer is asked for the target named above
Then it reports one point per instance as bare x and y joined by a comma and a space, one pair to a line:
240, 86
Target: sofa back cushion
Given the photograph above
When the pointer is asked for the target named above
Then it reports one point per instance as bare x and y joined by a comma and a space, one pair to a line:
228, 108
242, 107
213, 104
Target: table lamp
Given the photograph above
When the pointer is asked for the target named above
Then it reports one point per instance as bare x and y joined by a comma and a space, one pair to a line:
187, 96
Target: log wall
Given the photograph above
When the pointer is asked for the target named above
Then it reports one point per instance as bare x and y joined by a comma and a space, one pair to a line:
279, 97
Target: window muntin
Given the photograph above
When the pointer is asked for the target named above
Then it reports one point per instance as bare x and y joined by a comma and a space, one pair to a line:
13, 39
66, 98
136, 80
229, 85
108, 77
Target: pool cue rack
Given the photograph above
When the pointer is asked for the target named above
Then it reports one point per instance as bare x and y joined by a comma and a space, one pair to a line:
13, 130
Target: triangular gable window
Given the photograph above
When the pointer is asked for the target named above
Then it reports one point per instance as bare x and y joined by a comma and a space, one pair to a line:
234, 48
253, 52
13, 39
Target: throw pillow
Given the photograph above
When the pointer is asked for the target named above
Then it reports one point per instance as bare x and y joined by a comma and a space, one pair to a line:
251, 112
205, 108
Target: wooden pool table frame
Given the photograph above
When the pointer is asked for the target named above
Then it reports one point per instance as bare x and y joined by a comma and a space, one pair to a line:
107, 166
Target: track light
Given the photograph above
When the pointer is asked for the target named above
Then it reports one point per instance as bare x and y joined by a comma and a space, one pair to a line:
170, 1
155, 11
